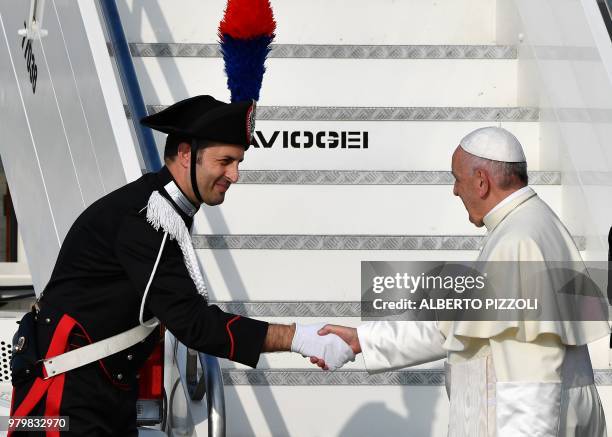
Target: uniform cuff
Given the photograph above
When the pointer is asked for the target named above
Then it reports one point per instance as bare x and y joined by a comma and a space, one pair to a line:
247, 338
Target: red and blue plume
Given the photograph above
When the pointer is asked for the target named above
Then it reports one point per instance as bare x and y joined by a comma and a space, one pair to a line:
246, 32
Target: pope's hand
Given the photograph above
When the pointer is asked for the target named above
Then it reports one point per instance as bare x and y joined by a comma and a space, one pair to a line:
346, 333
330, 348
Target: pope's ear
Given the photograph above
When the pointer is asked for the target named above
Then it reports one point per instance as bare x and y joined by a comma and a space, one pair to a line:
184, 155
482, 183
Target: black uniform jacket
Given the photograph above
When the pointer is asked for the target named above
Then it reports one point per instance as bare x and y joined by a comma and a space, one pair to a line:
102, 270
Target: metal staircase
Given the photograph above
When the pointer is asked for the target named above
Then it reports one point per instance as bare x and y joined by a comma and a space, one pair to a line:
362, 105
412, 78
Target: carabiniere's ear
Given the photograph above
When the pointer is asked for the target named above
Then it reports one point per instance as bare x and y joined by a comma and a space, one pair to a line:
184, 154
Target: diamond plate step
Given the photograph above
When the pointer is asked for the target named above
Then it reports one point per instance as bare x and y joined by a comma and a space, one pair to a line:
345, 242
356, 177
333, 51
291, 377
356, 113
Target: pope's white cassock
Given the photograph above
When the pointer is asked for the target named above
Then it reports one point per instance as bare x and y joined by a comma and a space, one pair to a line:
491, 389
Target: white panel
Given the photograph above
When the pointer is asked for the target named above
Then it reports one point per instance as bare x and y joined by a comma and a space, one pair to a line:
552, 147
508, 22
322, 21
590, 202
312, 275
20, 162
565, 43
576, 84
605, 394
54, 166
99, 86
412, 145
336, 411
6, 390
357, 209
15, 273
46, 124
307, 275
341, 82
79, 144
549, 21
600, 353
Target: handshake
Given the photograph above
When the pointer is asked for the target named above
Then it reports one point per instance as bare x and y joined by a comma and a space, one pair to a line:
328, 346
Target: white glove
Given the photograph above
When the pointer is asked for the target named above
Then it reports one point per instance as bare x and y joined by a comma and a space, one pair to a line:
331, 348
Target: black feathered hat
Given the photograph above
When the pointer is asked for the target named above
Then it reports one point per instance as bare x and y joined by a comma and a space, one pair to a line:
205, 118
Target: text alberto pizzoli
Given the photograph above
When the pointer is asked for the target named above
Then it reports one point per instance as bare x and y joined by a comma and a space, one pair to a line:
458, 284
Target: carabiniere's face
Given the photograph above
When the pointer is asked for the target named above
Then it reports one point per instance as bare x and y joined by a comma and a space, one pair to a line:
217, 169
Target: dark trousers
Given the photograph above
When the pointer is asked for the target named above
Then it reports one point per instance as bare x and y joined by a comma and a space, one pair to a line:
94, 406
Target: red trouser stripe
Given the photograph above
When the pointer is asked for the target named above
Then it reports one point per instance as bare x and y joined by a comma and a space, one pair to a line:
54, 386
39, 388
54, 400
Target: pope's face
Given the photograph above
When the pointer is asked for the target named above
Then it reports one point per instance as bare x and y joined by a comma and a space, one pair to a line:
466, 187
217, 169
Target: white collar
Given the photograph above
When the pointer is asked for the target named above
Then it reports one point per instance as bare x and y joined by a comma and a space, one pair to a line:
180, 199
508, 199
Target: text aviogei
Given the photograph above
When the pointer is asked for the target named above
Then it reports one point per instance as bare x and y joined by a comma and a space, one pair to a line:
412, 283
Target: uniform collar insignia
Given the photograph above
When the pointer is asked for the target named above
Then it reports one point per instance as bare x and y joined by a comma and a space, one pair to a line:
180, 199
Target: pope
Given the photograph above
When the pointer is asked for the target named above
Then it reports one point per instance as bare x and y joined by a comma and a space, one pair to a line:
505, 378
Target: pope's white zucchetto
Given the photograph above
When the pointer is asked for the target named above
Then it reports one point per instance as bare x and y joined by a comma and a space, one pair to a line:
493, 143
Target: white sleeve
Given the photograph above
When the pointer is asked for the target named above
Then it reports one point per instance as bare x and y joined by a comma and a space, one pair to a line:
528, 388
393, 345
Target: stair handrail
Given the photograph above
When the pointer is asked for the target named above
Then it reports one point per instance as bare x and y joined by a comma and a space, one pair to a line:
211, 381
129, 83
